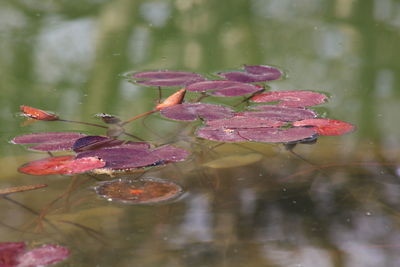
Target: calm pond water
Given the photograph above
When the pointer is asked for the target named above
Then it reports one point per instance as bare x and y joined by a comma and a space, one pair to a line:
343, 209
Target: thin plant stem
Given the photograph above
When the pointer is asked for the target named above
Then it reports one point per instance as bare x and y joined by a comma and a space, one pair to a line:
138, 116
84, 123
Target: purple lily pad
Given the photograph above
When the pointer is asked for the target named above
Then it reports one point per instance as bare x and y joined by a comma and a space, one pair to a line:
92, 142
49, 141
273, 135
220, 134
241, 122
223, 88
47, 254
257, 73
166, 78
291, 98
193, 111
129, 156
274, 112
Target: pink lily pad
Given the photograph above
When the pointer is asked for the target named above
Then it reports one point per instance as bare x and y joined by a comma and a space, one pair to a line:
327, 126
47, 254
291, 98
223, 88
193, 111
280, 113
256, 73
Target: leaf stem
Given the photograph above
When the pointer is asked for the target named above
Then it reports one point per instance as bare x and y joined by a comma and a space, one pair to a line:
138, 116
85, 123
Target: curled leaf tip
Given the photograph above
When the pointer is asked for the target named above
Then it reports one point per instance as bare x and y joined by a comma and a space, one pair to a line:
37, 114
174, 99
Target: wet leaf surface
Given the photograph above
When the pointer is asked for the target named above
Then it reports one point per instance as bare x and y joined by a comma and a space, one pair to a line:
61, 165
223, 88
49, 141
256, 73
327, 126
38, 114
291, 98
139, 191
9, 252
233, 161
92, 142
280, 113
242, 121
166, 78
193, 111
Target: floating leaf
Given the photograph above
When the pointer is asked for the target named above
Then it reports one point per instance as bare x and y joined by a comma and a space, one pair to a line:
9, 252
223, 88
327, 126
193, 111
241, 121
92, 142
265, 135
107, 118
291, 98
274, 112
172, 100
49, 141
233, 161
38, 114
139, 191
129, 156
61, 165
18, 189
47, 254
166, 78
257, 73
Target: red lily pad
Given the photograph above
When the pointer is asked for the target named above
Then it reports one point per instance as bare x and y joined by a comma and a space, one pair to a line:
327, 126
49, 141
129, 156
166, 78
257, 73
47, 254
280, 113
139, 191
265, 135
38, 114
223, 88
9, 252
193, 111
291, 98
61, 165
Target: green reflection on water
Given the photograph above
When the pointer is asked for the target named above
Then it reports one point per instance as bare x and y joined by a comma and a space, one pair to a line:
68, 58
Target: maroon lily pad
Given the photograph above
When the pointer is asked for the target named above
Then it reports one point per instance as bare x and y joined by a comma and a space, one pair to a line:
49, 141
280, 113
327, 126
169, 153
291, 98
166, 78
193, 111
47, 254
139, 191
223, 88
257, 73
61, 165
220, 134
92, 142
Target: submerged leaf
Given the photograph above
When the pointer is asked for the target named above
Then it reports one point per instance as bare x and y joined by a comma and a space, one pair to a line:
223, 88
291, 98
49, 141
139, 191
61, 165
327, 126
233, 161
38, 114
166, 78
193, 111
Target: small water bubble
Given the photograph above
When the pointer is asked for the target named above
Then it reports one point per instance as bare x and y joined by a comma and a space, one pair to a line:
260, 174
165, 238
348, 220
284, 189
368, 213
109, 199
294, 202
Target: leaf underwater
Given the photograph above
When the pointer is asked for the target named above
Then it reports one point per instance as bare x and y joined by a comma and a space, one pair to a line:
37, 114
291, 98
49, 141
234, 161
139, 191
327, 126
61, 165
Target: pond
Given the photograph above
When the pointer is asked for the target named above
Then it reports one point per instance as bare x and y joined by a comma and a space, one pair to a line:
335, 202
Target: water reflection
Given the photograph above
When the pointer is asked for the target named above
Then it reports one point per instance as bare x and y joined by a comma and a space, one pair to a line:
281, 211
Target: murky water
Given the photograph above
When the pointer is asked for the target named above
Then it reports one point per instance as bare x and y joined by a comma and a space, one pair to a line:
336, 203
